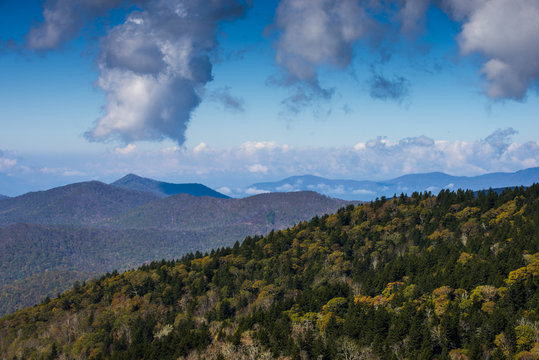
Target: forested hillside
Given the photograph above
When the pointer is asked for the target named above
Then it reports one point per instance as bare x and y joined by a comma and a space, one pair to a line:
43, 257
81, 203
454, 276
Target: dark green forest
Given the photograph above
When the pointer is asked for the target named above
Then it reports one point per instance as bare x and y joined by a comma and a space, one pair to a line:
452, 276
50, 239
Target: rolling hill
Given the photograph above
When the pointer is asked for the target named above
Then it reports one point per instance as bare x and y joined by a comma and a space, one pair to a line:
369, 190
164, 189
453, 276
81, 203
50, 239
270, 211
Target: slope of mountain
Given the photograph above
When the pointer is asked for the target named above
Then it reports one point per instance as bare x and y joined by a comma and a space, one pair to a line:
80, 203
166, 228
31, 254
2, 197
422, 277
369, 190
270, 211
164, 189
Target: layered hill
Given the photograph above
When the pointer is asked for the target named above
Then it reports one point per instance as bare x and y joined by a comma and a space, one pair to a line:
164, 189
50, 239
274, 210
454, 276
80, 203
369, 190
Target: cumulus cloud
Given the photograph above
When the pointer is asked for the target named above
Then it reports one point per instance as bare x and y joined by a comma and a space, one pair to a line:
152, 67
315, 33
255, 191
258, 168
63, 19
375, 159
62, 171
506, 33
128, 149
6, 161
362, 192
412, 16
324, 33
286, 188
225, 190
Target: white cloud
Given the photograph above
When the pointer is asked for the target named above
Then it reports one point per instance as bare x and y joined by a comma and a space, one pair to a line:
506, 33
62, 171
317, 32
234, 167
152, 67
286, 188
225, 190
362, 192
128, 149
258, 168
255, 191
7, 163
252, 147
312, 34
200, 148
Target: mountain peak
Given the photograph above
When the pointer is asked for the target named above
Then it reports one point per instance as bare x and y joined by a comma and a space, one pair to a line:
164, 189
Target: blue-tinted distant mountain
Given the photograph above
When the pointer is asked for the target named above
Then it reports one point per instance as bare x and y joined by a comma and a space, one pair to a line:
2, 197
369, 190
164, 189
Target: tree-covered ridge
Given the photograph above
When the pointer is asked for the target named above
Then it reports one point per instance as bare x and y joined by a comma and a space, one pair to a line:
164, 228
450, 277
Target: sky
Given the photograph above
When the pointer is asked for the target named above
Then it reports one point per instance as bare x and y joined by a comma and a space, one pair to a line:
233, 92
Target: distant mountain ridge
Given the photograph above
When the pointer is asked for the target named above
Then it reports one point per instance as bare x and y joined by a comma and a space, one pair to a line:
369, 190
80, 203
49, 239
2, 197
263, 212
164, 189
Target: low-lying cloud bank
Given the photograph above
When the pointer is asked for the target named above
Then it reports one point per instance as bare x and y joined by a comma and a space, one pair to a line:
237, 167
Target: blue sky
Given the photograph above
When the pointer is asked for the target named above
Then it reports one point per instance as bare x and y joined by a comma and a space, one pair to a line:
234, 93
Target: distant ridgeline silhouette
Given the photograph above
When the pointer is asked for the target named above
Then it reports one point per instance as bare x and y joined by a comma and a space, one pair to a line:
367, 190
164, 189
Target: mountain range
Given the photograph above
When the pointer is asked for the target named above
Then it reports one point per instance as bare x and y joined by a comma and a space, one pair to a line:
81, 203
49, 239
2, 197
367, 190
452, 276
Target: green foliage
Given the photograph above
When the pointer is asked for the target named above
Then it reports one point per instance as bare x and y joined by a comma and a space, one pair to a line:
385, 280
112, 228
